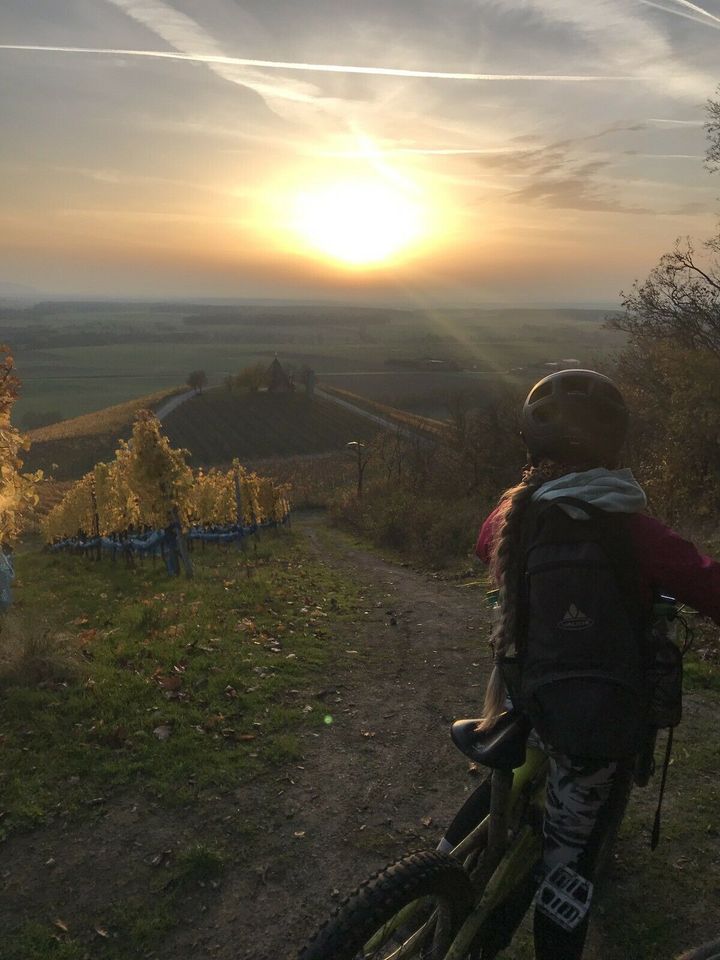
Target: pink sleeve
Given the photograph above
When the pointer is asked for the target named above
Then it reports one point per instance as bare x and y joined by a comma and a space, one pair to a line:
675, 566
486, 536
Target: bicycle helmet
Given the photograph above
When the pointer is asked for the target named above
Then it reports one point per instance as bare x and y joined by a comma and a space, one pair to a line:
575, 415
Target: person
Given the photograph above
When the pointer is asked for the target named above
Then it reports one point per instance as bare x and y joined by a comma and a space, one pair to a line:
574, 426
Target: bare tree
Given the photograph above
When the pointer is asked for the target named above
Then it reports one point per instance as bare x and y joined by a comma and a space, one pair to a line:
197, 379
679, 302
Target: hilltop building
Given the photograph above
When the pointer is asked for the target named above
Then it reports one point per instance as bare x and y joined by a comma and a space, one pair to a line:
278, 380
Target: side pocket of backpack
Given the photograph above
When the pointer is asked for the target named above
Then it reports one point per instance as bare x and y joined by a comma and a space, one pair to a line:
664, 684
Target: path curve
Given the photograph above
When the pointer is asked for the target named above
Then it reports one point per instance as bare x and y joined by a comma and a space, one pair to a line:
172, 404
384, 422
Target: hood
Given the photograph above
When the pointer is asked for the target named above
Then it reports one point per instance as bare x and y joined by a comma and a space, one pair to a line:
616, 491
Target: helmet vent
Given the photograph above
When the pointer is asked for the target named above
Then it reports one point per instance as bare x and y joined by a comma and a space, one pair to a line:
542, 390
576, 385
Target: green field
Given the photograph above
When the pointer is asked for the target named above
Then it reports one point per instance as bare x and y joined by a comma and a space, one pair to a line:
75, 358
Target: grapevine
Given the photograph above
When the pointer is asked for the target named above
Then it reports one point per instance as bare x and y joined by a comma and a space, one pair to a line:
18, 493
148, 500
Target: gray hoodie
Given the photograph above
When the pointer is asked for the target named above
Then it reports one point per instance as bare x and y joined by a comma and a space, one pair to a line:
616, 491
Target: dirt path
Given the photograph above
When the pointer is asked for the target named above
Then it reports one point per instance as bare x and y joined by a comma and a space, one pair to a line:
380, 779
383, 777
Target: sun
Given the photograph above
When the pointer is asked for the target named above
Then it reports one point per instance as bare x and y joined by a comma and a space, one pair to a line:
358, 223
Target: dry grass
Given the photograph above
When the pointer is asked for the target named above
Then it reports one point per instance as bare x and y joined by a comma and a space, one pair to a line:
109, 420
31, 654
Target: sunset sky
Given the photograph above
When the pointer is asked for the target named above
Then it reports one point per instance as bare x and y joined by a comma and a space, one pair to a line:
465, 151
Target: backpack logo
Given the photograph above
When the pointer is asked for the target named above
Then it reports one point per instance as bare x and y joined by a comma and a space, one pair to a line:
575, 619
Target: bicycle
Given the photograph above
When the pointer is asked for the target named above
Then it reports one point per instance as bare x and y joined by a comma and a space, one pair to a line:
469, 901
449, 905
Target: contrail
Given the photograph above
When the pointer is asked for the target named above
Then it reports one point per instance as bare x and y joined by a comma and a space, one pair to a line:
696, 9
423, 151
317, 67
687, 16
679, 123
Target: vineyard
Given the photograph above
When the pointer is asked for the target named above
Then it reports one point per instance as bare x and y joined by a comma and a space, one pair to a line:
17, 489
148, 501
218, 426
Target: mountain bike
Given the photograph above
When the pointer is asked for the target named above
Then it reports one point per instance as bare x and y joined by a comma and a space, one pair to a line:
468, 902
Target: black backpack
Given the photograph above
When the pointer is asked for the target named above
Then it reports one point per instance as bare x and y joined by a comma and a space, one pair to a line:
582, 643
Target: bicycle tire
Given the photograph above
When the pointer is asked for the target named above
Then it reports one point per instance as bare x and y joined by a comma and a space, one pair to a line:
381, 898
707, 951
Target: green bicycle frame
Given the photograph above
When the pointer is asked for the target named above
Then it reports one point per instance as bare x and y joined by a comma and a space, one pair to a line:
510, 866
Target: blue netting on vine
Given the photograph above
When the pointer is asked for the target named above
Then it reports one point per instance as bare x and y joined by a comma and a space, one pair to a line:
154, 542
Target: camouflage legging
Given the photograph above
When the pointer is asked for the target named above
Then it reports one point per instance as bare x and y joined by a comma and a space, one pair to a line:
582, 798
577, 792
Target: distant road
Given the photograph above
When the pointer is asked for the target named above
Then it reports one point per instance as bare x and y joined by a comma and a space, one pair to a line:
173, 403
374, 418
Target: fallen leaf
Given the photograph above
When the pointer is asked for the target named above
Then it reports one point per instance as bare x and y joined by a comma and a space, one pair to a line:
101, 932
163, 731
299, 833
61, 925
426, 821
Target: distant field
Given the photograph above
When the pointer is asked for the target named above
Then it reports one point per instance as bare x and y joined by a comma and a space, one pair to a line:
75, 358
419, 392
217, 426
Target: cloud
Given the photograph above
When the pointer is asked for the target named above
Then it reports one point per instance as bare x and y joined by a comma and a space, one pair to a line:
577, 191
626, 41
187, 37
560, 176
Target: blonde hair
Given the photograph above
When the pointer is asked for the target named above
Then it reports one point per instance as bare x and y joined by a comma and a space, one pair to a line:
505, 561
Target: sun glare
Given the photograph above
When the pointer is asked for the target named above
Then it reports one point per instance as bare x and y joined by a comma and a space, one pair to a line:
358, 223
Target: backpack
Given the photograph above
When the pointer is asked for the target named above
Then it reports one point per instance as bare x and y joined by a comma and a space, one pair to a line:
582, 642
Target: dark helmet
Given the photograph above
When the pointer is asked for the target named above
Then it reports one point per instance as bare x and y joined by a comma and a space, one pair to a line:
574, 416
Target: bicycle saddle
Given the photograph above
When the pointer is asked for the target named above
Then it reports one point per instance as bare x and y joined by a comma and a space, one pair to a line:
502, 747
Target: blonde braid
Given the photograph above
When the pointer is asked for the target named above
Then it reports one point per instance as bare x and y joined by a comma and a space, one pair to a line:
505, 559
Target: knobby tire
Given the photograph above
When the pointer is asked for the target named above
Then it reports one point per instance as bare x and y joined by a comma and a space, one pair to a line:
382, 897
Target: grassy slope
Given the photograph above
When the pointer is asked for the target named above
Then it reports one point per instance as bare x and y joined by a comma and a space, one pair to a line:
99, 661
120, 651
70, 448
217, 426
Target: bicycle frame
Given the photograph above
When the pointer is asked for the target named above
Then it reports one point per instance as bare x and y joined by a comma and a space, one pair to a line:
508, 861
496, 875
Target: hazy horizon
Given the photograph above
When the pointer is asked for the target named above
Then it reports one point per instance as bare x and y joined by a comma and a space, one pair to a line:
514, 152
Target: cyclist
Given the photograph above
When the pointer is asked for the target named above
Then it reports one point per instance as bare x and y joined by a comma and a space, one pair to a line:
574, 426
